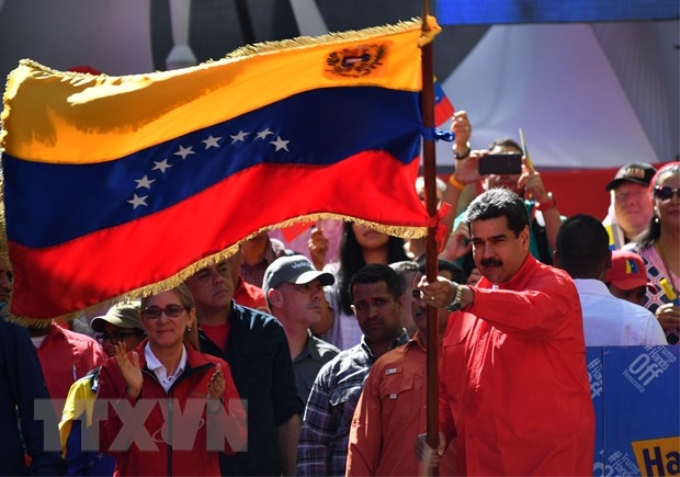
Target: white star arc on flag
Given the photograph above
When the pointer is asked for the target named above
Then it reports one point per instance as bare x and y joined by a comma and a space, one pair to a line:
264, 134
240, 137
280, 143
161, 166
209, 142
137, 201
144, 182
184, 151
212, 141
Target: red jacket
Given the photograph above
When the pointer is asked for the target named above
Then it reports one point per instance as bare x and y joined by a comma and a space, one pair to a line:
513, 381
177, 437
66, 356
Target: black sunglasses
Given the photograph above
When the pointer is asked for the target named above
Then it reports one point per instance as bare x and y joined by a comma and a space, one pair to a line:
115, 337
664, 193
154, 312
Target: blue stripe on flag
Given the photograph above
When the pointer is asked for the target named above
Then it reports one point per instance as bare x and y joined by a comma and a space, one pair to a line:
44, 202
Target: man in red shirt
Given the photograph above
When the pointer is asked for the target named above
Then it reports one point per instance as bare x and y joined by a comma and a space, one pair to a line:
65, 356
514, 388
245, 294
392, 408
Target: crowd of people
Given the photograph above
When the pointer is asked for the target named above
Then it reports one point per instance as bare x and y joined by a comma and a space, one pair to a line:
309, 358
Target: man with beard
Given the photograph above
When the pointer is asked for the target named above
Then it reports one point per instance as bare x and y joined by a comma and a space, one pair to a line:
514, 389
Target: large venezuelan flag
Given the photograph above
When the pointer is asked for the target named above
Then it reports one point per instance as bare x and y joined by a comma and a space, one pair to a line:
124, 185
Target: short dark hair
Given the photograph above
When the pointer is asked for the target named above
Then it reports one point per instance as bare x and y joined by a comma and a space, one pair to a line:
582, 246
499, 202
403, 268
374, 273
505, 142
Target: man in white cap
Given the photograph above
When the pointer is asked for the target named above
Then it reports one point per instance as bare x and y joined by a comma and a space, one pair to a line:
293, 289
121, 324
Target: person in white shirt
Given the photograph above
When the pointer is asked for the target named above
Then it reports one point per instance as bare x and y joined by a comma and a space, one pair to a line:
583, 252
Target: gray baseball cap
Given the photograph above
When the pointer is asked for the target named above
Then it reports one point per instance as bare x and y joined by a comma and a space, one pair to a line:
295, 269
122, 315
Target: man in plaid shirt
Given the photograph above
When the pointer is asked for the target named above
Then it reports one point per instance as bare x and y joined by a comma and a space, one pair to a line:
376, 301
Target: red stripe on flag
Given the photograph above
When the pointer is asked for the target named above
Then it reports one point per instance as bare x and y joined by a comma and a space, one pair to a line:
86, 271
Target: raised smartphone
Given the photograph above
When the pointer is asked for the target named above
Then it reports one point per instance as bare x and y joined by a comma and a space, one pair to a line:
504, 163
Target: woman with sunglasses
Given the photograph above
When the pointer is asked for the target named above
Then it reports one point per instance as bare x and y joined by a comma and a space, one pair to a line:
659, 247
170, 408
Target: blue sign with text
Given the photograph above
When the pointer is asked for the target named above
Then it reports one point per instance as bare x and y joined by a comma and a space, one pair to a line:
636, 394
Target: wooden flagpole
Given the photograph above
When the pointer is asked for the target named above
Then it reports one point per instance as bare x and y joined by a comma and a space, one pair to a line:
431, 249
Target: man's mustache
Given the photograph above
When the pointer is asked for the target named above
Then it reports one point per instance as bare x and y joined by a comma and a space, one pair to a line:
491, 262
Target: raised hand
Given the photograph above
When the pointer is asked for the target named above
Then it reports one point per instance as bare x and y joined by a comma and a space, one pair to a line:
532, 183
467, 170
461, 127
216, 384
131, 371
458, 244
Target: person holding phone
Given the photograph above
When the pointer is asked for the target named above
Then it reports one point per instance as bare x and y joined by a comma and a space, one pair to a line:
500, 169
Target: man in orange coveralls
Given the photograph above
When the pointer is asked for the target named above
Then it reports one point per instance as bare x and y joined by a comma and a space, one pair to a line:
513, 385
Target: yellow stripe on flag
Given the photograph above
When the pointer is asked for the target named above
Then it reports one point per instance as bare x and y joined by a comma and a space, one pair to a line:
54, 116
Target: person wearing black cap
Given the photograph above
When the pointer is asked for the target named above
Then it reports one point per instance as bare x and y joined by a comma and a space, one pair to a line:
630, 208
293, 289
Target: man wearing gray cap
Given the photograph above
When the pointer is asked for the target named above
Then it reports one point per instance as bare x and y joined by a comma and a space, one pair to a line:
631, 207
121, 324
293, 289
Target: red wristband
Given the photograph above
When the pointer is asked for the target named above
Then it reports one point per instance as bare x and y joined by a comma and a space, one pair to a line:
548, 204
